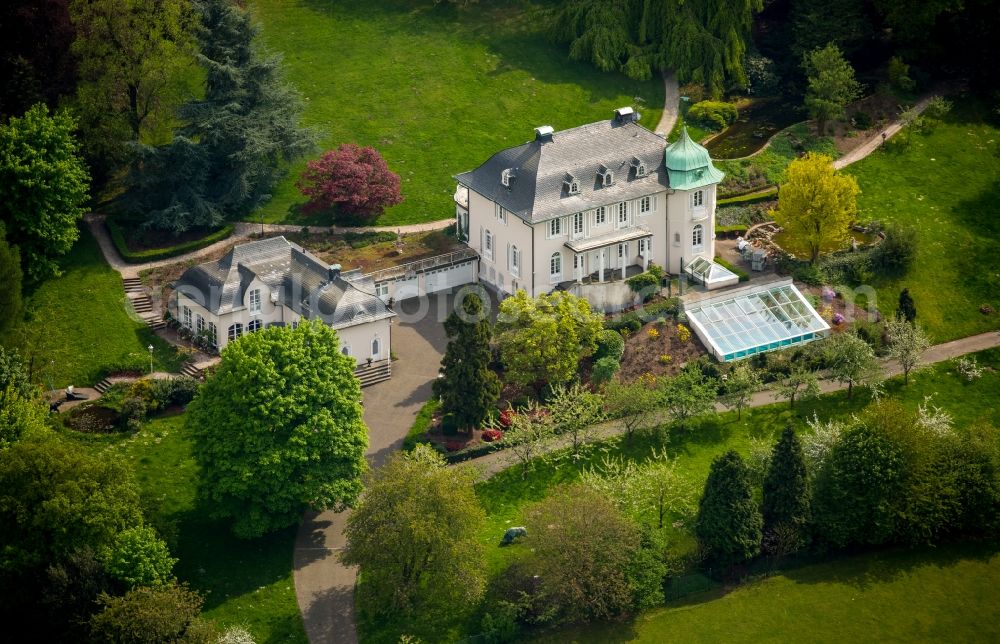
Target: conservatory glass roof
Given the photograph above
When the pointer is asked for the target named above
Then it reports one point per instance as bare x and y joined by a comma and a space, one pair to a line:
738, 325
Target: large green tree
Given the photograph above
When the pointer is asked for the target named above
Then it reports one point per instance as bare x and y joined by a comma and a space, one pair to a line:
132, 56
543, 339
22, 412
11, 277
786, 499
856, 493
43, 187
729, 523
468, 388
236, 141
705, 41
830, 85
278, 429
583, 551
816, 205
152, 614
415, 534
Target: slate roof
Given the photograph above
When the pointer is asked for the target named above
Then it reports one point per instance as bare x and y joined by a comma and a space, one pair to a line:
538, 191
304, 283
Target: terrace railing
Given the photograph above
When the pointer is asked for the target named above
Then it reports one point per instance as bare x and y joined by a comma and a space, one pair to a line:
413, 268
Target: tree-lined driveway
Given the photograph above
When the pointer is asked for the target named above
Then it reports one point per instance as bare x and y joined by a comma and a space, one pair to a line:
323, 586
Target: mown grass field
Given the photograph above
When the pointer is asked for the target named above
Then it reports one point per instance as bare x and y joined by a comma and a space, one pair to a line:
245, 583
946, 185
946, 594
505, 496
77, 324
434, 88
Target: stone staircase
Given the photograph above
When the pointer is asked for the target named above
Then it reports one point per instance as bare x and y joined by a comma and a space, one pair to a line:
379, 371
189, 369
143, 306
103, 386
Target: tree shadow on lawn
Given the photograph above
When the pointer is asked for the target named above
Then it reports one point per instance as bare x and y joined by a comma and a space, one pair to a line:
221, 566
974, 265
865, 569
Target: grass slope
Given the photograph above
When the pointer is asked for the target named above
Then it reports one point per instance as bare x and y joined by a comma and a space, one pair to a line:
927, 595
246, 583
946, 185
435, 89
505, 496
77, 323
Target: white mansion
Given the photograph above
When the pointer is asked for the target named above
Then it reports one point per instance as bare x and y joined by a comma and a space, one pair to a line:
582, 208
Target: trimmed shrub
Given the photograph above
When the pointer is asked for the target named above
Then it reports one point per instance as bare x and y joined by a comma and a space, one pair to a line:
713, 114
896, 253
604, 370
610, 344
153, 254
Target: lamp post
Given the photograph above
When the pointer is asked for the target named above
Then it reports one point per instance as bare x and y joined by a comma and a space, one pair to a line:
150, 347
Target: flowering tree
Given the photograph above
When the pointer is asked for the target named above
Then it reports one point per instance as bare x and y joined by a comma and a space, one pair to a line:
355, 180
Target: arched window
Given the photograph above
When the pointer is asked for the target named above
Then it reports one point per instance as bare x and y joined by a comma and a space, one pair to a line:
376, 349
555, 267
254, 326
697, 236
235, 331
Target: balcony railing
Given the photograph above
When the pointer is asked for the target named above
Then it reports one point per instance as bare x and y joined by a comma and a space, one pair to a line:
422, 265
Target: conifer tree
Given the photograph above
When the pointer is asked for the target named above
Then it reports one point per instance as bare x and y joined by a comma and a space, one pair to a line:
468, 388
729, 523
907, 309
786, 486
238, 139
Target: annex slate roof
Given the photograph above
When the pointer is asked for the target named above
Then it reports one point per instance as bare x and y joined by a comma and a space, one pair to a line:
302, 281
539, 192
689, 165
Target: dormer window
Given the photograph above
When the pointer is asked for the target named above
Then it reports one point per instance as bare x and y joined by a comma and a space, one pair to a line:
640, 167
507, 177
571, 184
605, 176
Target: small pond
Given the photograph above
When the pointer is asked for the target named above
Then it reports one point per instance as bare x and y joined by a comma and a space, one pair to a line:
760, 119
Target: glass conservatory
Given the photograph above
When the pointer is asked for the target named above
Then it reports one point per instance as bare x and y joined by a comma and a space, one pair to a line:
763, 318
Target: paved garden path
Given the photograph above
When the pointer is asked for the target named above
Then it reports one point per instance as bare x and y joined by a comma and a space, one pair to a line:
671, 104
497, 461
876, 141
242, 230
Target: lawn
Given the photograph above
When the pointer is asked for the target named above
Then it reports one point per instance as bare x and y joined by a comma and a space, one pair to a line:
945, 594
77, 324
434, 88
946, 185
246, 583
505, 495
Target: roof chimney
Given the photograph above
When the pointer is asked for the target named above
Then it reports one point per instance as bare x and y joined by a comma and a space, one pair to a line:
625, 115
543, 133
333, 272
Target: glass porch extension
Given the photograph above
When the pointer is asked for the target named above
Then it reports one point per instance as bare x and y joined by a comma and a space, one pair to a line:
764, 318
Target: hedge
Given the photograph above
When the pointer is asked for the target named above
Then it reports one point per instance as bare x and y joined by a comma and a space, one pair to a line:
753, 197
154, 254
735, 228
418, 431
742, 274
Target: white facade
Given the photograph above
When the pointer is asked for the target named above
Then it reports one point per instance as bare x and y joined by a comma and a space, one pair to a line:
515, 254
369, 339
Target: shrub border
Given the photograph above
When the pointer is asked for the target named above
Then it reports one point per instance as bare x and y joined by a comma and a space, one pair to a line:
749, 198
153, 254
742, 274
